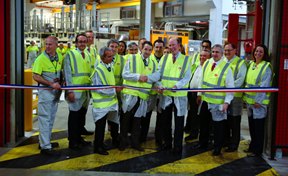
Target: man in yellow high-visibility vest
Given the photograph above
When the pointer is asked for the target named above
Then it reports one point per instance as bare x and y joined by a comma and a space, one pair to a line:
206, 44
47, 71
77, 71
175, 72
32, 53
105, 103
91, 49
235, 109
216, 73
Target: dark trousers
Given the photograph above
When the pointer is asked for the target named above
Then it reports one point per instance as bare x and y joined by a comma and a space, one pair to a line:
205, 120
125, 125
114, 130
192, 117
167, 124
159, 134
74, 125
232, 130
219, 130
256, 128
145, 124
100, 131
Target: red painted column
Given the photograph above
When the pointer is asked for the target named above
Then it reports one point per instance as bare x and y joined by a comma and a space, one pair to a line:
8, 64
233, 28
2, 70
257, 24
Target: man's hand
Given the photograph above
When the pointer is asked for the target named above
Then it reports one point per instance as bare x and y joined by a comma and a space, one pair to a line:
174, 87
118, 89
256, 105
56, 86
225, 106
160, 90
198, 100
71, 96
143, 78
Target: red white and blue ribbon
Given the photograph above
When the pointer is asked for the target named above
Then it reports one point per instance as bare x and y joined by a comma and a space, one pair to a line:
254, 89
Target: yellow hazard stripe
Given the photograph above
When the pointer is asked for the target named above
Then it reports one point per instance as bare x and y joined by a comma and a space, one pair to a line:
95, 160
201, 162
32, 149
269, 172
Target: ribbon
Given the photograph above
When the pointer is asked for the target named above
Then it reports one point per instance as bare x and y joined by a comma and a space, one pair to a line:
253, 89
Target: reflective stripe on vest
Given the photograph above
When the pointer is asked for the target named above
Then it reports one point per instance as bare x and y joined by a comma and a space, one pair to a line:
118, 69
107, 78
219, 82
80, 79
249, 97
235, 66
170, 74
137, 67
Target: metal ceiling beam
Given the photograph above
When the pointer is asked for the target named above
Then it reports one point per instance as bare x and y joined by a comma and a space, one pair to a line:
183, 18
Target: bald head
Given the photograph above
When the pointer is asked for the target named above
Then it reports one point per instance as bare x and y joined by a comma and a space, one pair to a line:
54, 39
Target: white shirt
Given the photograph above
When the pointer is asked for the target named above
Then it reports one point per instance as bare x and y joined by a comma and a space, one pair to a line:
196, 78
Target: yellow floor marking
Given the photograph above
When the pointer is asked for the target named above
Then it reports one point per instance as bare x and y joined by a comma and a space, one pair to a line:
269, 172
53, 131
96, 160
32, 149
200, 163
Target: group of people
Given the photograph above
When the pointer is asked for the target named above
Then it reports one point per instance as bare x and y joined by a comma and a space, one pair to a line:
155, 76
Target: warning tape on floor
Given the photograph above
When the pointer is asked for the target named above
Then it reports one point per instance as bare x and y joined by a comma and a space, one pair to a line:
95, 87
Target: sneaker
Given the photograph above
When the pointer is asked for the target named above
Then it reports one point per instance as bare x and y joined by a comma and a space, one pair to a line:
53, 145
50, 151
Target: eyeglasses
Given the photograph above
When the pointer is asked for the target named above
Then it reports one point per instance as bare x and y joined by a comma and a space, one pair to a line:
83, 42
228, 50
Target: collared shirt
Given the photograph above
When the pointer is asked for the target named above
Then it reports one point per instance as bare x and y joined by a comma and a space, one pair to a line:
146, 59
196, 78
80, 51
158, 58
108, 66
55, 58
217, 115
111, 111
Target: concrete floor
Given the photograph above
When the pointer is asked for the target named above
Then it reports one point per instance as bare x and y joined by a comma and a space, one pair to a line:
61, 123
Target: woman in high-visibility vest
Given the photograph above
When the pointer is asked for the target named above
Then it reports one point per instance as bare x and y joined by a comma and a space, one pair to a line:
259, 74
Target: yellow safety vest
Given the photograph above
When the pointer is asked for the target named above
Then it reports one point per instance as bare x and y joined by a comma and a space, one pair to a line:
81, 69
107, 78
137, 66
194, 67
68, 49
235, 66
94, 56
196, 57
173, 73
119, 63
214, 79
61, 51
253, 79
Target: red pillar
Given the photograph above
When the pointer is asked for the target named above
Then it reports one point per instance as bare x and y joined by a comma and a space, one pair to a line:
257, 24
2, 71
233, 28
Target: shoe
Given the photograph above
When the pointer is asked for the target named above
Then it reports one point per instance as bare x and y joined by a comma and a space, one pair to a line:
105, 147
231, 149
190, 137
50, 151
216, 152
122, 146
83, 142
75, 147
85, 132
247, 151
159, 143
252, 155
199, 146
53, 145
164, 147
101, 151
138, 147
175, 152
115, 142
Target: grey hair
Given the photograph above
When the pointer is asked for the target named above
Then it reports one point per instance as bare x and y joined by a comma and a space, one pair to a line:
207, 51
103, 50
132, 44
220, 46
55, 39
112, 41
